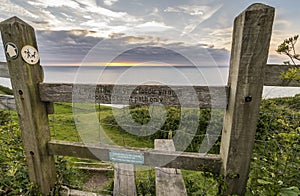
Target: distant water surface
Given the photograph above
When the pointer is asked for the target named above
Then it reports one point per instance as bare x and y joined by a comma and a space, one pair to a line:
167, 75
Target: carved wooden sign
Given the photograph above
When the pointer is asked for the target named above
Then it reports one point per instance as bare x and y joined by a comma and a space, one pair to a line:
184, 96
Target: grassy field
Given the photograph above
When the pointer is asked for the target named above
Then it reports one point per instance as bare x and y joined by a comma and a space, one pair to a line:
81, 123
274, 167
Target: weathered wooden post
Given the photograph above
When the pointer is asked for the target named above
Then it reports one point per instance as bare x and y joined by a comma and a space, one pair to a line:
249, 53
26, 72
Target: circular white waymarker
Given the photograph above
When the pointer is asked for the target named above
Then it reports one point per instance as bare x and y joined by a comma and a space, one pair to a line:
11, 50
30, 55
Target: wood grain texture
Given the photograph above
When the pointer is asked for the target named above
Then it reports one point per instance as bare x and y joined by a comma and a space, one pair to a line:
124, 180
4, 73
168, 181
185, 96
155, 158
32, 113
249, 53
7, 102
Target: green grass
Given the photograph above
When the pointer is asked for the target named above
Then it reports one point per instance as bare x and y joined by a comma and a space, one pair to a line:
88, 129
274, 166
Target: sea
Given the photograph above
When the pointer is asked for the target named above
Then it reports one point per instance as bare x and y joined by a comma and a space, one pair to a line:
138, 75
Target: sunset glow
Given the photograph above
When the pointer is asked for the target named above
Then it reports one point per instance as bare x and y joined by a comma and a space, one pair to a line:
115, 64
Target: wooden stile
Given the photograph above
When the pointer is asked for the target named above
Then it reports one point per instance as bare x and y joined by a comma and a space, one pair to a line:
168, 181
241, 98
32, 112
249, 53
124, 180
155, 158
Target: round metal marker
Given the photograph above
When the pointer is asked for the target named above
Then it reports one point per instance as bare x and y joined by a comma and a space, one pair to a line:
11, 50
30, 55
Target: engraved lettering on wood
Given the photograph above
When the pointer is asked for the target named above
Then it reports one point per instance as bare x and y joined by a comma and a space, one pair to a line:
185, 96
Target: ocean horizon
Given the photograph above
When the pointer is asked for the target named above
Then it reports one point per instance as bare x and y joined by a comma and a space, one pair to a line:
137, 75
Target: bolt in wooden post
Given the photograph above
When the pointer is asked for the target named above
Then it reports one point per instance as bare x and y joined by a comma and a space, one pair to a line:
32, 112
249, 53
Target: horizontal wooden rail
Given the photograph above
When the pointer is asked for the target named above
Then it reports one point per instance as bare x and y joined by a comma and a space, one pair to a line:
4, 70
151, 157
272, 75
7, 102
65, 92
185, 96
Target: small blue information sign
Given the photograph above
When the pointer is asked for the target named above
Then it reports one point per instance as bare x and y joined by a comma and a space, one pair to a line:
126, 157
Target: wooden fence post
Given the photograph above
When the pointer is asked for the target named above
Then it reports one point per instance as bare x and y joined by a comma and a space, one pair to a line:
33, 118
249, 53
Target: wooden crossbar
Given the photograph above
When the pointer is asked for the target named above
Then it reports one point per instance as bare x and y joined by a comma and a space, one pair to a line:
151, 157
7, 102
185, 96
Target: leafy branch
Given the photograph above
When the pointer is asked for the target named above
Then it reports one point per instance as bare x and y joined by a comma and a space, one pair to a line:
287, 47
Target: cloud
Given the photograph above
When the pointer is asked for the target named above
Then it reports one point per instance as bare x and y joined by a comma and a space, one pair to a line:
76, 46
69, 14
191, 10
152, 26
61, 47
110, 2
197, 13
55, 3
8, 9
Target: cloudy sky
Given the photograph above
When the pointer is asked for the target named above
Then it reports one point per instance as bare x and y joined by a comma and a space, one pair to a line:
123, 32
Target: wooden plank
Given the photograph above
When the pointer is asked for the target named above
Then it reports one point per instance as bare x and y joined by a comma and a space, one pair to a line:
155, 158
249, 53
32, 113
124, 180
7, 102
169, 181
140, 95
72, 192
272, 75
4, 73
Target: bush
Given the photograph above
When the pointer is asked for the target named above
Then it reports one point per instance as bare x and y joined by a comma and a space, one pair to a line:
14, 174
276, 158
171, 127
13, 168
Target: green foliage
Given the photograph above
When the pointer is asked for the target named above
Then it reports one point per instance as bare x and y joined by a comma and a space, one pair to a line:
14, 178
67, 175
274, 167
276, 158
13, 169
4, 117
287, 47
291, 74
203, 183
145, 182
174, 116
5, 90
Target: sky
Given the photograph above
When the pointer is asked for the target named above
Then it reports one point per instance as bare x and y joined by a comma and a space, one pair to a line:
142, 32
